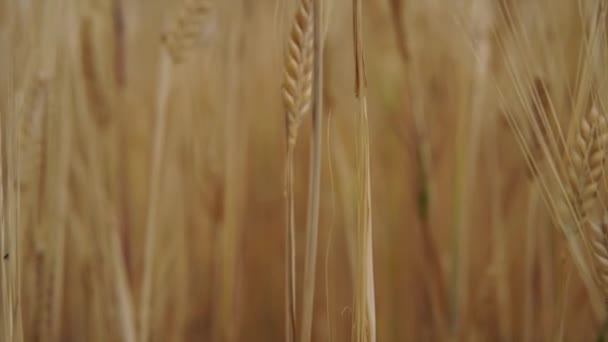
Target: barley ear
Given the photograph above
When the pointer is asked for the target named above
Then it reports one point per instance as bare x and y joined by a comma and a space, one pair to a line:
314, 183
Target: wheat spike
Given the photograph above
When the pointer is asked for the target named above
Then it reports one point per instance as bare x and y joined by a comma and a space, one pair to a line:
184, 33
297, 88
587, 154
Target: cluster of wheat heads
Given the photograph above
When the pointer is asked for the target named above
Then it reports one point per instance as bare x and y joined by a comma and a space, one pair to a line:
108, 197
564, 138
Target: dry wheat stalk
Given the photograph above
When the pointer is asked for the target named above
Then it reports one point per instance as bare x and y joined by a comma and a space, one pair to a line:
176, 42
587, 156
160, 122
30, 141
297, 90
235, 161
29, 160
365, 307
314, 184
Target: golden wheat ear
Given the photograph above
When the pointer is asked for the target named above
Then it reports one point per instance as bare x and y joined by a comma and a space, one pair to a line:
587, 155
186, 29
297, 87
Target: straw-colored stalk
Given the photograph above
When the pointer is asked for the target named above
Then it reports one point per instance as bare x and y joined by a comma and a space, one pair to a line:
587, 154
176, 44
365, 308
314, 185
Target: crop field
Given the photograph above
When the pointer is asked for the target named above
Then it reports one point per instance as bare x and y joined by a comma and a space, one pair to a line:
303, 170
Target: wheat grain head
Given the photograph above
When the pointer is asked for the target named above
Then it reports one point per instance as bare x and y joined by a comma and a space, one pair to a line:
297, 87
587, 155
186, 28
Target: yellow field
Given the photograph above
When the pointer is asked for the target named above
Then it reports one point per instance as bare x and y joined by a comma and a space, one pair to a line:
153, 153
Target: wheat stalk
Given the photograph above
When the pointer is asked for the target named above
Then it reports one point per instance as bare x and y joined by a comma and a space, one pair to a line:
176, 42
365, 307
297, 89
151, 222
587, 156
314, 184
235, 161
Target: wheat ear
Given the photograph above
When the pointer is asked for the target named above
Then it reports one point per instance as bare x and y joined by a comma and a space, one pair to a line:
297, 89
365, 307
587, 154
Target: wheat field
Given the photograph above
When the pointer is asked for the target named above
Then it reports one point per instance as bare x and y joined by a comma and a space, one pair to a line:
303, 170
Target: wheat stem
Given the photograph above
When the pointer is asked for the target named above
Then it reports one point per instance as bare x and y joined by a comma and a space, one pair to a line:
155, 176
365, 314
312, 224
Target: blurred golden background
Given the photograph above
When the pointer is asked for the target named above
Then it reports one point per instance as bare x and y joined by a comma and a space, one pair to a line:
121, 221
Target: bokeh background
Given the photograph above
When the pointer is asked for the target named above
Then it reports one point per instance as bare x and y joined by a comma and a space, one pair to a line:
464, 246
